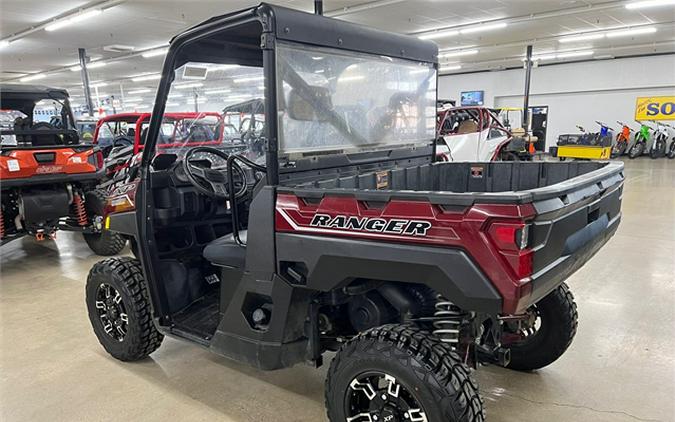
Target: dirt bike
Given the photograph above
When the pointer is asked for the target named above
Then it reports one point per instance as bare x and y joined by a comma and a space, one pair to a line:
604, 137
661, 134
641, 140
622, 140
671, 149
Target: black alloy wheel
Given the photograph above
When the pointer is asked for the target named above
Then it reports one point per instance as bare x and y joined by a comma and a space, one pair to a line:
377, 396
111, 312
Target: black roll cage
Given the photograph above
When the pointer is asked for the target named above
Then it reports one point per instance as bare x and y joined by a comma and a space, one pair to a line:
279, 23
275, 23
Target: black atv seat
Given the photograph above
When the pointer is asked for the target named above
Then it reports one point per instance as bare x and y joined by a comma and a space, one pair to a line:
226, 252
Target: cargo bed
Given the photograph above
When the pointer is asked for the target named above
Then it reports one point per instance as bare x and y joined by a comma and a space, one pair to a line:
569, 210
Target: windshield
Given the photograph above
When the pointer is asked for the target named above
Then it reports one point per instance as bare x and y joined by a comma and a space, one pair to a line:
202, 109
337, 101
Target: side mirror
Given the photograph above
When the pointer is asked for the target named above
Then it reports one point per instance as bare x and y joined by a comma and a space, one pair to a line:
310, 105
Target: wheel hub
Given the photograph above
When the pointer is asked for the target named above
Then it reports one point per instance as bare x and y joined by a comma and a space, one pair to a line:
111, 312
379, 397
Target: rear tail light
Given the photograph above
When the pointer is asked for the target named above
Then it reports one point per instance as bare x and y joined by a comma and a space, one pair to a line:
512, 240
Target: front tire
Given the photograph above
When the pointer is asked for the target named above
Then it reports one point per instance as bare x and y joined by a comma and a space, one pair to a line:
671, 150
119, 309
636, 150
400, 372
543, 345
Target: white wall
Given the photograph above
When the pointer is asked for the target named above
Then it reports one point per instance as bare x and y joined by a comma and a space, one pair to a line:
576, 93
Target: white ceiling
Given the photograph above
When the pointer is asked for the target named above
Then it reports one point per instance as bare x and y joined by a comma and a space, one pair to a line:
144, 24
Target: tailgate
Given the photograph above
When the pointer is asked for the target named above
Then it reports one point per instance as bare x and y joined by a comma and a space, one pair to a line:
574, 219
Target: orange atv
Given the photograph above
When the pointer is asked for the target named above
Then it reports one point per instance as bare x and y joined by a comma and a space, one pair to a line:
47, 177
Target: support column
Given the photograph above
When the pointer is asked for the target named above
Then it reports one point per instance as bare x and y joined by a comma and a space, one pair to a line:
85, 80
526, 102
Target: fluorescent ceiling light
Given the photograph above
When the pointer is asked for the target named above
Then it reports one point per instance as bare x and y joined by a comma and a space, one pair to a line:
73, 19
452, 67
574, 54
155, 53
458, 53
172, 104
351, 78
4, 43
439, 34
482, 28
248, 79
200, 100
223, 67
146, 77
582, 37
133, 100
649, 3
631, 32
217, 91
139, 91
543, 57
92, 65
188, 86
175, 96
33, 77
97, 85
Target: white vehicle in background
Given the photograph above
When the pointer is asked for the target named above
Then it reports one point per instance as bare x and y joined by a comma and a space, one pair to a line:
474, 134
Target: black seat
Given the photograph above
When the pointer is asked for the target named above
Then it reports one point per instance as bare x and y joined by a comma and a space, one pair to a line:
226, 252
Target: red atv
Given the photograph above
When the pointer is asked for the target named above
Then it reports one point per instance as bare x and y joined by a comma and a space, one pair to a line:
48, 176
121, 137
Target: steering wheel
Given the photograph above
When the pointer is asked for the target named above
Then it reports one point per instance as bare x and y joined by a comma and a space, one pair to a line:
213, 182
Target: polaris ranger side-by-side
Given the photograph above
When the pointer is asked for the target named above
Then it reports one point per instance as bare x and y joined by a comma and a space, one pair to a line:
344, 234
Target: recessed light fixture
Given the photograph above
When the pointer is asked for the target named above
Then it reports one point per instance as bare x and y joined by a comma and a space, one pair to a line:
439, 34
649, 3
582, 37
458, 53
483, 28
631, 32
155, 53
73, 19
33, 77
142, 78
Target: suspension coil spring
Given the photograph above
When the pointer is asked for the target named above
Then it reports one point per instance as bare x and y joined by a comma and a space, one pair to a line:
2, 224
80, 211
448, 319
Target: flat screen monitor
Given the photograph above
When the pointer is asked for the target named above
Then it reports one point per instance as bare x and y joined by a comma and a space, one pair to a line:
472, 98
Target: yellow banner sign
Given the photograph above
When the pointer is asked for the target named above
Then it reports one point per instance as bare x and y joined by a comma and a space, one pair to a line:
655, 108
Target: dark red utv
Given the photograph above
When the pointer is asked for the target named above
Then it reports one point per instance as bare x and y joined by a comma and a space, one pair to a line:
346, 235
